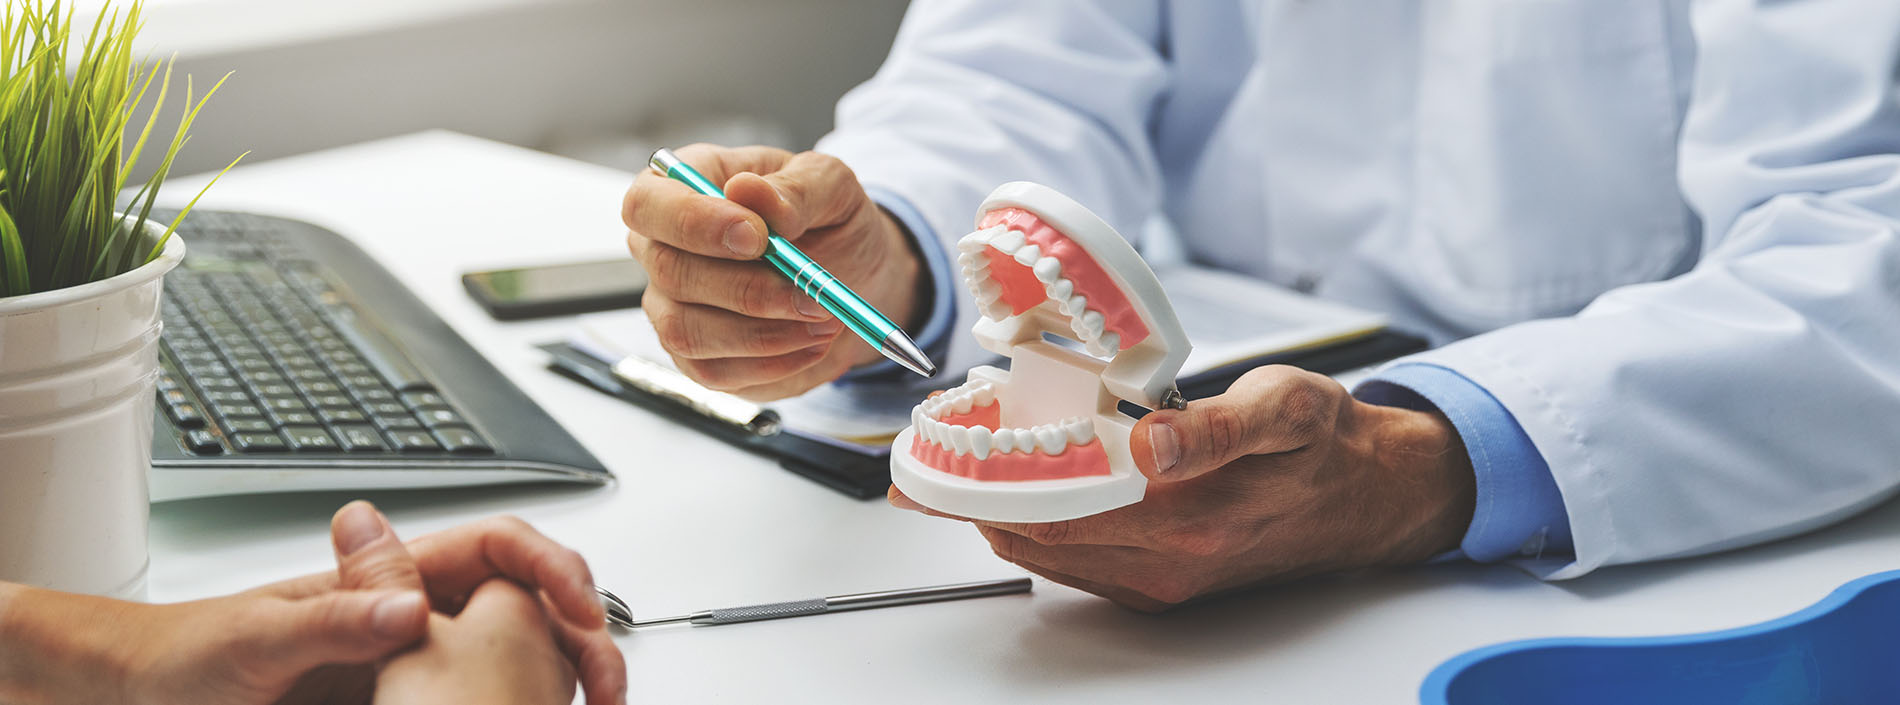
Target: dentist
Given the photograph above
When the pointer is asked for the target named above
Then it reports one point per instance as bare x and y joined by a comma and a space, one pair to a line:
1657, 240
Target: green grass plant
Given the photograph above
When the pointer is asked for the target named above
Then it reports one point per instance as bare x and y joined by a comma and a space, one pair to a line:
64, 112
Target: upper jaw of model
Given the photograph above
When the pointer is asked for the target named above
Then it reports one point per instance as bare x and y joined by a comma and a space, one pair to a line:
1041, 264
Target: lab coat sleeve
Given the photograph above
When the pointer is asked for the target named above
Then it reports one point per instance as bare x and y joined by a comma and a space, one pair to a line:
1757, 395
1518, 512
976, 94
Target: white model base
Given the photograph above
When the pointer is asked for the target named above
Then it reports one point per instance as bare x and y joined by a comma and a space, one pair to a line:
1024, 501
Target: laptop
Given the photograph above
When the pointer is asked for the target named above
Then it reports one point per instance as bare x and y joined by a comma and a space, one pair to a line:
292, 361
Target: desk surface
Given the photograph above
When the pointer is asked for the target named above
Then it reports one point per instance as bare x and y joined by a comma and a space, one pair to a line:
693, 523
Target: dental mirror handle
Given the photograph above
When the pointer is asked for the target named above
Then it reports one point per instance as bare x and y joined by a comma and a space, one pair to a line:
845, 603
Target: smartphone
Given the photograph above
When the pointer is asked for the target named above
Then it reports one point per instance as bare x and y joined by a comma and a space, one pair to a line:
558, 289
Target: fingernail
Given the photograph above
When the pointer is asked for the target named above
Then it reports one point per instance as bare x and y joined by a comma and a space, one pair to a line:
810, 307
1166, 445
357, 527
393, 615
824, 328
742, 239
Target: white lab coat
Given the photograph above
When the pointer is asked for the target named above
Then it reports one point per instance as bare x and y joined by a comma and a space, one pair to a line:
1668, 229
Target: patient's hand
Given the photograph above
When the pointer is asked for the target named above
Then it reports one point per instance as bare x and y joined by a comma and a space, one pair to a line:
500, 649
314, 639
737, 325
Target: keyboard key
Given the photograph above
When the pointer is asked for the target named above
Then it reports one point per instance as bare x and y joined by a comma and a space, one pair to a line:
274, 390
208, 383
404, 422
309, 439
173, 397
462, 441
434, 418
358, 438
332, 401
323, 387
337, 416
362, 381
233, 426
388, 408
217, 397
419, 400
375, 395
292, 418
203, 442
240, 411
259, 443
186, 415
285, 403
414, 441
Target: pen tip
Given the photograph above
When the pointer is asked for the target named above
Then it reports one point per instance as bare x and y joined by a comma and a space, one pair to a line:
903, 351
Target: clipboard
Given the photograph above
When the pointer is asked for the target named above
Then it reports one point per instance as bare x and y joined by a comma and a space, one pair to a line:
863, 472
857, 471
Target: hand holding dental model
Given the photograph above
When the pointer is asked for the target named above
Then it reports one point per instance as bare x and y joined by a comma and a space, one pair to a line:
1284, 475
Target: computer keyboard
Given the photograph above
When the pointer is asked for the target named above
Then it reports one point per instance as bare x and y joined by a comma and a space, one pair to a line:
278, 373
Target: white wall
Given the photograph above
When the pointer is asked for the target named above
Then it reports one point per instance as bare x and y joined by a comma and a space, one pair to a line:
315, 75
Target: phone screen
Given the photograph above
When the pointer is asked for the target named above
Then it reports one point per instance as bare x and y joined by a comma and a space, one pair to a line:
558, 289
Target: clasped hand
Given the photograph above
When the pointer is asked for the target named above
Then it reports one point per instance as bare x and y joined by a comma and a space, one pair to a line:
487, 612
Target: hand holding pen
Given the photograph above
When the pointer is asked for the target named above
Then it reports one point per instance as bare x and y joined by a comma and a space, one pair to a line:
743, 326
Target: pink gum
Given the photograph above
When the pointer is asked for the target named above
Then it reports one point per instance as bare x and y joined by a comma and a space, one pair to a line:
1023, 291
1075, 461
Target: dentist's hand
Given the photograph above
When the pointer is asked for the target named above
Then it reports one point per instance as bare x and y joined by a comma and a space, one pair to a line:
1282, 476
737, 325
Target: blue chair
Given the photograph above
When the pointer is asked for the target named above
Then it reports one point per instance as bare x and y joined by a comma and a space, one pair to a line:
1842, 650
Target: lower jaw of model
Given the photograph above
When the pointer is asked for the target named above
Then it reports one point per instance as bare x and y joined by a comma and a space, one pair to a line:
1044, 440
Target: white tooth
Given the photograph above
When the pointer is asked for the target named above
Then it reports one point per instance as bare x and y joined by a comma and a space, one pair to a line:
1076, 306
929, 431
968, 259
975, 241
1092, 324
1028, 255
1005, 439
1095, 348
960, 439
998, 310
1061, 290
1048, 269
963, 402
1008, 242
1050, 439
1026, 440
988, 290
985, 395
1111, 342
933, 407
917, 419
980, 442
1080, 431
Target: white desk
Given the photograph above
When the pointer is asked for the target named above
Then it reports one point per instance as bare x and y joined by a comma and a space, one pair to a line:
693, 523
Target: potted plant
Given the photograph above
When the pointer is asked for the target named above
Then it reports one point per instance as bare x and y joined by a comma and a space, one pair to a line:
79, 296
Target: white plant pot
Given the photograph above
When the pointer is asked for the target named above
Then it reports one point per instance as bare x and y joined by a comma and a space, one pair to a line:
77, 373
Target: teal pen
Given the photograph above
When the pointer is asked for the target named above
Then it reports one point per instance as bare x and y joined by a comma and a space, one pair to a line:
857, 314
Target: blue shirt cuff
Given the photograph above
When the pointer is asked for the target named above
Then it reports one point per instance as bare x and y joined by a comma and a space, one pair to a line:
1519, 512
934, 338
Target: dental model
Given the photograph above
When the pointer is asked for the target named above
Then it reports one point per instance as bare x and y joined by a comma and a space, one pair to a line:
1044, 441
